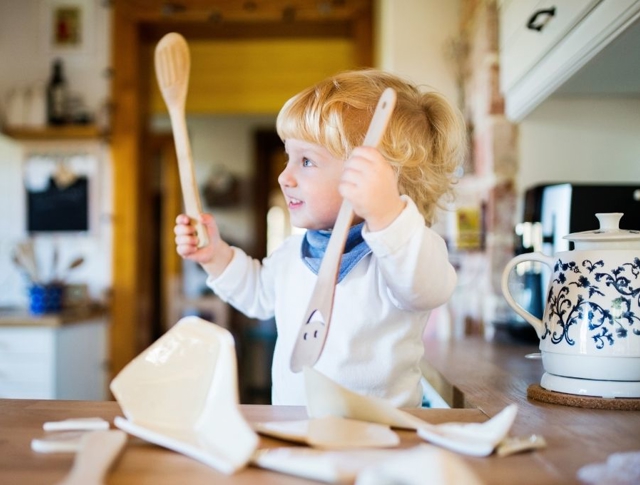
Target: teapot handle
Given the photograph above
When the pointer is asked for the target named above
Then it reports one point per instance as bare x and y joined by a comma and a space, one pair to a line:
539, 257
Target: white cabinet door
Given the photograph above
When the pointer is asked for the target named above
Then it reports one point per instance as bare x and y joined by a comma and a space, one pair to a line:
65, 362
27, 362
534, 66
524, 46
81, 361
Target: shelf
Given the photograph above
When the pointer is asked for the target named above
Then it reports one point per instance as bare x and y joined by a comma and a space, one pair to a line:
64, 132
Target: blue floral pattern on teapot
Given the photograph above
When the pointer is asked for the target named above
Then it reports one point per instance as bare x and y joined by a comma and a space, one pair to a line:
606, 321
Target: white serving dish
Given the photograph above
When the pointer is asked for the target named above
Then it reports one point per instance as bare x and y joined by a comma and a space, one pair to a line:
182, 393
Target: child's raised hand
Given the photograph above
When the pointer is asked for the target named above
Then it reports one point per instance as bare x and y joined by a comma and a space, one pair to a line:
187, 239
370, 185
214, 257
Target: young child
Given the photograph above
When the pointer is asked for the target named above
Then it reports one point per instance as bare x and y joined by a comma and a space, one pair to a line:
394, 269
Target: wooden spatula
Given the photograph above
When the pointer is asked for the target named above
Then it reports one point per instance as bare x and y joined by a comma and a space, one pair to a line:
315, 325
97, 452
173, 62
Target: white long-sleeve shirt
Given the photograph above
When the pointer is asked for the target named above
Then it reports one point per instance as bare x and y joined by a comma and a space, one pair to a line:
374, 344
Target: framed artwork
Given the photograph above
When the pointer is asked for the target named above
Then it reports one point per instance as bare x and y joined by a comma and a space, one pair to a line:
67, 26
470, 229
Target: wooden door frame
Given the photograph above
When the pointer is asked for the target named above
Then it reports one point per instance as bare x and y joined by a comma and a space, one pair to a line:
126, 134
133, 28
163, 154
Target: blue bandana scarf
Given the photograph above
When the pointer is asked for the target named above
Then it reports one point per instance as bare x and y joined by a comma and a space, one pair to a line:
315, 244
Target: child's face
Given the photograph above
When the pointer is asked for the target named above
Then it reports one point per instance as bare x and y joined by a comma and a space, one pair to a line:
309, 183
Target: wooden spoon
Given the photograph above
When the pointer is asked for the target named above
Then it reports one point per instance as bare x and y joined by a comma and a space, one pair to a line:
26, 258
315, 325
173, 62
98, 450
72, 265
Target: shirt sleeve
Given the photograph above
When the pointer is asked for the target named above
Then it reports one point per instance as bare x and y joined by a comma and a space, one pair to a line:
413, 260
247, 285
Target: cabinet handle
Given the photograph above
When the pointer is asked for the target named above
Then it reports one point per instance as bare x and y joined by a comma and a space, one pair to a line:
546, 15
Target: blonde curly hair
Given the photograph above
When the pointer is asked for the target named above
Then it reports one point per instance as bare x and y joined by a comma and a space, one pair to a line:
425, 140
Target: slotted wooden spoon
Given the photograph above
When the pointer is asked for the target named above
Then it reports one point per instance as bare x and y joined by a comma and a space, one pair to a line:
315, 326
173, 62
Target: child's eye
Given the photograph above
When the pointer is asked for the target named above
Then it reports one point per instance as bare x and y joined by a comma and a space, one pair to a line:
306, 162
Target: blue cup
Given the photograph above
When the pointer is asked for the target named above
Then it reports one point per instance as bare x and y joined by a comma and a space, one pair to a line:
45, 299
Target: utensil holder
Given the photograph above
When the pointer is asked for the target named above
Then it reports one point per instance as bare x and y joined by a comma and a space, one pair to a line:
45, 298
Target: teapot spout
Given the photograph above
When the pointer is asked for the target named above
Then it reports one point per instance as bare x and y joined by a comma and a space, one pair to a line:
534, 321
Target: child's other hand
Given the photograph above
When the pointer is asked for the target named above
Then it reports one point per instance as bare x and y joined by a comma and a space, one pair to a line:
369, 184
187, 239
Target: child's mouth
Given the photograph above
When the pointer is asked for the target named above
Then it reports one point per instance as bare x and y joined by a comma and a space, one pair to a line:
294, 203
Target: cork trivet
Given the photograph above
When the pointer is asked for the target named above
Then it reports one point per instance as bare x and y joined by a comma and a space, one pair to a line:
538, 393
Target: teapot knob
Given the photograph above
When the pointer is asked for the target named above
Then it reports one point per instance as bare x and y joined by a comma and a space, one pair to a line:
609, 221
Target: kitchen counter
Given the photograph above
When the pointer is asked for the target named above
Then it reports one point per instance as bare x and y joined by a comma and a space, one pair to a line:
17, 317
54, 356
489, 376
21, 421
486, 377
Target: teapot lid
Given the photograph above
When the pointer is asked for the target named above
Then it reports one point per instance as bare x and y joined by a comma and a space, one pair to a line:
609, 231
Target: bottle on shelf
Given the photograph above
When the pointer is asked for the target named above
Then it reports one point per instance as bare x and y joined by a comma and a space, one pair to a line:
56, 95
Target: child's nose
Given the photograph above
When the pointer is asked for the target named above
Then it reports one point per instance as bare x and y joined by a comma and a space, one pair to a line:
286, 178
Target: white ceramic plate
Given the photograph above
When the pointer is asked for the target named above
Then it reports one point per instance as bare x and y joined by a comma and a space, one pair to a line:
331, 433
327, 398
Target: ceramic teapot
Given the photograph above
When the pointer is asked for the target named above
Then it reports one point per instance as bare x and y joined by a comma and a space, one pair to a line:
591, 323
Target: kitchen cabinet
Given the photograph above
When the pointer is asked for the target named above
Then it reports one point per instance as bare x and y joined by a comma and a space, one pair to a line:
50, 357
543, 43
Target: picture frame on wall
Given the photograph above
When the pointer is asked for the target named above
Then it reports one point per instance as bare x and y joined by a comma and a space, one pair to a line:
66, 26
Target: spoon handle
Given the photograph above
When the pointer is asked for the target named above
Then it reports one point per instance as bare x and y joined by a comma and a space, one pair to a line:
98, 450
315, 326
188, 183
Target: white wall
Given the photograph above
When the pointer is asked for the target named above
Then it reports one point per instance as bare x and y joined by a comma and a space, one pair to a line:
413, 40
588, 140
11, 218
27, 56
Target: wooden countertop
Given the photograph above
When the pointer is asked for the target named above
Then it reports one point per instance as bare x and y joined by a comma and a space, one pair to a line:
487, 377
141, 462
20, 317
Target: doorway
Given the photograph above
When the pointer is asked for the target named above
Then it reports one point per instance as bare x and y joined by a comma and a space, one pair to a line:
269, 162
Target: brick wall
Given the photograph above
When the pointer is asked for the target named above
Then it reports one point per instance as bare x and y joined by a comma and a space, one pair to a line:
489, 181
